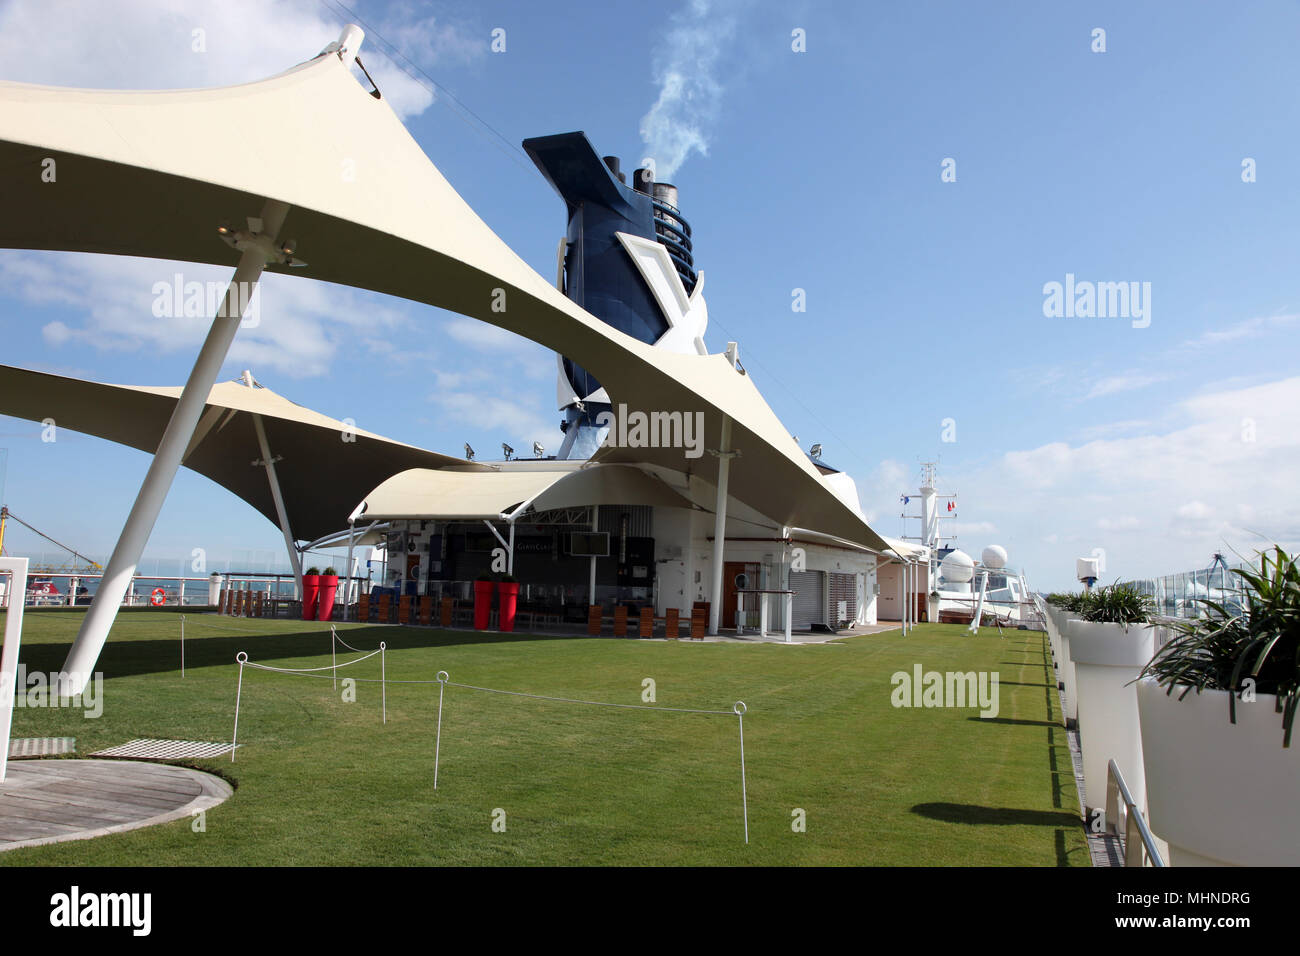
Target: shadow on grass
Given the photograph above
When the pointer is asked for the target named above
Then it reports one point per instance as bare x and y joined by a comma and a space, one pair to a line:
128, 658
977, 815
1012, 720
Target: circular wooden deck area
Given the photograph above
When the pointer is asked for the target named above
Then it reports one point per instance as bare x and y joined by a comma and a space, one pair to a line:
49, 801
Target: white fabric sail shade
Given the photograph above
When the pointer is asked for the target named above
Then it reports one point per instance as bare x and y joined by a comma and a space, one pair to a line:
154, 173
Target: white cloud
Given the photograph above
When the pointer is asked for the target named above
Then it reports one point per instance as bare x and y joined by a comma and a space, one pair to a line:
56, 333
1194, 510
1112, 429
301, 325
1125, 383
1222, 470
525, 356
1245, 329
185, 44
1123, 523
515, 422
972, 527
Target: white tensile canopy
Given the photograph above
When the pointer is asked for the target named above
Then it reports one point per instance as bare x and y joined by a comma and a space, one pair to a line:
323, 465
154, 174
460, 496
319, 161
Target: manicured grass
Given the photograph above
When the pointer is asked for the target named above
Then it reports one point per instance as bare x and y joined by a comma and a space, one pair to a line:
321, 781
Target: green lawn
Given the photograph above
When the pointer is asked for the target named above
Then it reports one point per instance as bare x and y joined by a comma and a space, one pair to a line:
321, 781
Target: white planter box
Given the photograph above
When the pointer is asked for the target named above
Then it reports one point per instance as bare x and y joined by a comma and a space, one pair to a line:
1221, 794
1106, 659
1067, 675
1052, 620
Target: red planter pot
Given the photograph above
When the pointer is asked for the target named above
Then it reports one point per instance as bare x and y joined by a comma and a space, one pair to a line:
329, 586
310, 594
507, 597
482, 604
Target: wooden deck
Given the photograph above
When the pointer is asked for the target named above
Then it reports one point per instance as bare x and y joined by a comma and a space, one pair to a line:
48, 801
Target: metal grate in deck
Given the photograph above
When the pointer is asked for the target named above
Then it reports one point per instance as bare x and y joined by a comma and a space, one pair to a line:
147, 748
29, 747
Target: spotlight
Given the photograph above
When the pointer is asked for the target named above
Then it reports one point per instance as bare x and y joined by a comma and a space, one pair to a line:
224, 229
289, 247
816, 450
538, 450
508, 450
469, 452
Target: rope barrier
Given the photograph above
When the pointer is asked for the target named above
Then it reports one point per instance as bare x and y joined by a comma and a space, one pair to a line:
335, 632
443, 680
593, 703
307, 670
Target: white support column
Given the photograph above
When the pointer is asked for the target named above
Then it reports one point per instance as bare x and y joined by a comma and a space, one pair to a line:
901, 602
268, 462
906, 595
347, 588
725, 454
595, 526
510, 551
167, 460
17, 568
979, 605
908, 604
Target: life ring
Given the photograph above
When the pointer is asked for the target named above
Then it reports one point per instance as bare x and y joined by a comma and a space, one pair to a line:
158, 598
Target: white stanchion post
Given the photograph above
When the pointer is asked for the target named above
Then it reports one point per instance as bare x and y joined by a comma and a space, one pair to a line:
443, 677
383, 681
334, 655
17, 568
241, 658
720, 525
182, 647
740, 708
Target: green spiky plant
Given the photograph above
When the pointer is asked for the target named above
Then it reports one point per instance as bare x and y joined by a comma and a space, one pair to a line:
311, 571
1259, 640
1119, 603
1066, 602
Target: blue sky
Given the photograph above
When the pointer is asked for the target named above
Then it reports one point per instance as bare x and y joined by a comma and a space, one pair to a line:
817, 170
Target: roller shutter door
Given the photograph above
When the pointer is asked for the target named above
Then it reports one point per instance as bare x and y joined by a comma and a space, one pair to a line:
809, 607
843, 587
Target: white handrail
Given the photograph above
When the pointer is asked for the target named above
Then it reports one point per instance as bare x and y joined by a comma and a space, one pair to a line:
1116, 789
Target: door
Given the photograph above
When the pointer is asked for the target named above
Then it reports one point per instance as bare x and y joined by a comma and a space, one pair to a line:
809, 607
672, 586
736, 576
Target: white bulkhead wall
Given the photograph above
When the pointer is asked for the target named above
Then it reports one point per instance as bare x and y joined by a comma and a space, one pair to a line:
683, 555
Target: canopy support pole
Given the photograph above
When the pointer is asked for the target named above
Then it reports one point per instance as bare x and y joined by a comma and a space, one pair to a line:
725, 454
171, 449
347, 592
273, 479
595, 526
979, 605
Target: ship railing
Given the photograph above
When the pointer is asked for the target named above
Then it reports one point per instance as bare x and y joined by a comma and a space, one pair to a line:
1136, 839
